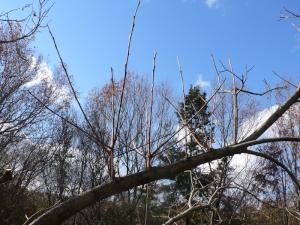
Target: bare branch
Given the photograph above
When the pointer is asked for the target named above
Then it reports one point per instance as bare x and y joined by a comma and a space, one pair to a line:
75, 204
74, 92
126, 69
36, 17
285, 80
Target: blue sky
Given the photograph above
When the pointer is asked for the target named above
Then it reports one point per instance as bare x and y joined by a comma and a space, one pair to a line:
92, 37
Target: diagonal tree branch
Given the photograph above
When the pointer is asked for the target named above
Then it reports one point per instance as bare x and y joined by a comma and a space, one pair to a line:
272, 118
70, 207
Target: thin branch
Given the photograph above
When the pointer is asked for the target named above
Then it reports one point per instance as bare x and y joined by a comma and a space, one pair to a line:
126, 69
68, 208
41, 15
291, 15
106, 147
183, 117
260, 93
67, 121
278, 163
285, 80
187, 122
151, 106
183, 121
272, 118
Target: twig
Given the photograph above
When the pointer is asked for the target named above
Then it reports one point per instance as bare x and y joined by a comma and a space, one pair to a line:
106, 147
66, 120
285, 80
126, 68
187, 122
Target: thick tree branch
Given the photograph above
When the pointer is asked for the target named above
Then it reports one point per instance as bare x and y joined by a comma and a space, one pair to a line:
272, 118
278, 163
68, 208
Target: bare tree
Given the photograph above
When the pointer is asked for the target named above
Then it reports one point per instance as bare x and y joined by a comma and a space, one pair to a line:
62, 211
119, 116
124, 130
28, 24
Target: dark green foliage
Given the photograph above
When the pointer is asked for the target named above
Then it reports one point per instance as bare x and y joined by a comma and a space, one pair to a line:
15, 203
195, 111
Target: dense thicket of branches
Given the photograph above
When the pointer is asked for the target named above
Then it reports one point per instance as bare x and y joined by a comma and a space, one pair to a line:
134, 153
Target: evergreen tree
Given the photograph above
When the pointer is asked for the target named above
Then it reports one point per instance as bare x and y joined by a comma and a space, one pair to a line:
195, 113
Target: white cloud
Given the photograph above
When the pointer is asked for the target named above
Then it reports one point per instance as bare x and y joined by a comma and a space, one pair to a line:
212, 3
45, 75
244, 164
183, 135
250, 125
201, 83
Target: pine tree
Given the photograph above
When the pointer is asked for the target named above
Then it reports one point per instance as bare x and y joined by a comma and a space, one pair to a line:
195, 113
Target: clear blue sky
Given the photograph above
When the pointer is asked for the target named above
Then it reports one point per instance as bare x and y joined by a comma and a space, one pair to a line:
93, 35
